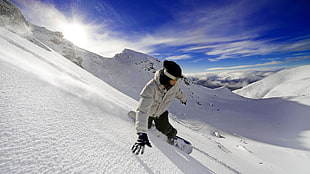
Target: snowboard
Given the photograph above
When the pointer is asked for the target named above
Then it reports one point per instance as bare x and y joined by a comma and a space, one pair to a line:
177, 141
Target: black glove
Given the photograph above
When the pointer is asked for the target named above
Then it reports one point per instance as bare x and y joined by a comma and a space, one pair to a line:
141, 142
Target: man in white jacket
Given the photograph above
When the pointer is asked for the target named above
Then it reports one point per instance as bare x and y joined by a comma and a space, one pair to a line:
155, 99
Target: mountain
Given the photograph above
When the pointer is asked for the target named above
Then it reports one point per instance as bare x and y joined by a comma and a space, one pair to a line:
230, 79
291, 84
12, 19
125, 66
57, 117
128, 71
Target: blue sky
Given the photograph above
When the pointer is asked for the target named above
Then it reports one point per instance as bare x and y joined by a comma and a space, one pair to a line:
200, 35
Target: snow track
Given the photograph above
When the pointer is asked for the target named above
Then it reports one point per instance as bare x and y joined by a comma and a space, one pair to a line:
217, 161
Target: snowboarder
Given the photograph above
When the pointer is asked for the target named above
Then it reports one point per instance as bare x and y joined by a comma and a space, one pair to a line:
155, 99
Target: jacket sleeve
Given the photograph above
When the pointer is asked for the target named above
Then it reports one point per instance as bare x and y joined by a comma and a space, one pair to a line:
144, 106
179, 95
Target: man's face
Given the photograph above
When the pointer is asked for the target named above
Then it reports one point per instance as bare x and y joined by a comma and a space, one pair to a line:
172, 82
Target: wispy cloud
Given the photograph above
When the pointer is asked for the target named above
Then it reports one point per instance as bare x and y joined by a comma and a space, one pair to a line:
198, 60
274, 61
239, 49
250, 47
209, 25
258, 47
181, 57
297, 58
244, 66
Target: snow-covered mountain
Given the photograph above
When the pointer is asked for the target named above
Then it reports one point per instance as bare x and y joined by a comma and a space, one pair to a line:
122, 69
12, 19
230, 79
56, 117
292, 84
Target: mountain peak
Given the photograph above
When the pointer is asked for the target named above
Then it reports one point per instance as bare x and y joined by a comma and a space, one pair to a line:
135, 53
135, 56
126, 50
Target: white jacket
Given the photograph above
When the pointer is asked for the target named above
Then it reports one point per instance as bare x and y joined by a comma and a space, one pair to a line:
154, 101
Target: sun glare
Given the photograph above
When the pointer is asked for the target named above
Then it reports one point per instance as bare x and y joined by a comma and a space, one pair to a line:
76, 33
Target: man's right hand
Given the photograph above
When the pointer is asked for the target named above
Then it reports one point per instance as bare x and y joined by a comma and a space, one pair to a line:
139, 146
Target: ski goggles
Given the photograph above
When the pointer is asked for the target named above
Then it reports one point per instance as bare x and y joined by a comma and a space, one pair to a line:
171, 76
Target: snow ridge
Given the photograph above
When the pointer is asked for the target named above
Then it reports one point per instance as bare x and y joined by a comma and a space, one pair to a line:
293, 84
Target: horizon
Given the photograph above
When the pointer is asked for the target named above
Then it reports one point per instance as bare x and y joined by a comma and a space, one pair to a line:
201, 36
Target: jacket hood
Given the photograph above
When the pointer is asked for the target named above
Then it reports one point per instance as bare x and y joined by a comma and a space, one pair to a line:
156, 76
157, 79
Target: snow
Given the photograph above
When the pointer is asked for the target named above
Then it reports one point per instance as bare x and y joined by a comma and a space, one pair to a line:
56, 117
292, 84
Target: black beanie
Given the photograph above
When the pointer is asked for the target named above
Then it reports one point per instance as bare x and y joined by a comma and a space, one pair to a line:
173, 68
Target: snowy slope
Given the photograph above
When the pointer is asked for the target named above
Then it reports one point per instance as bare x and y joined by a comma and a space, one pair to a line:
292, 84
58, 118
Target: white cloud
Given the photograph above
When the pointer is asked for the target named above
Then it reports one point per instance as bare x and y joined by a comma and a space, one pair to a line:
241, 48
244, 66
297, 58
274, 61
181, 57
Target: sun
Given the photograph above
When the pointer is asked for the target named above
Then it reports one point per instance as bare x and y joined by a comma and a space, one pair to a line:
76, 33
